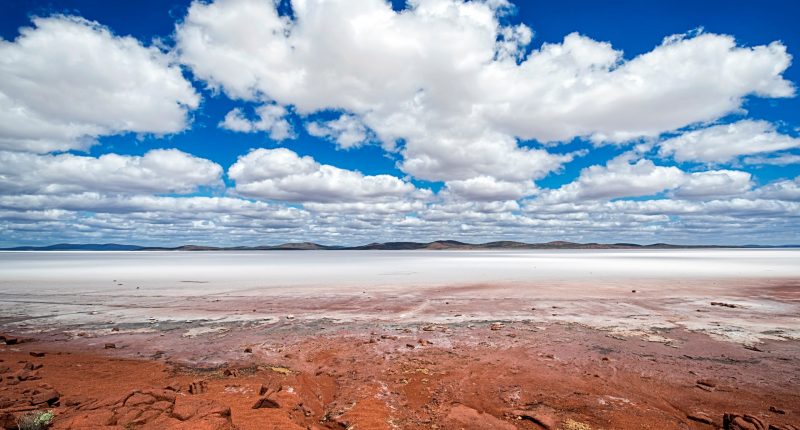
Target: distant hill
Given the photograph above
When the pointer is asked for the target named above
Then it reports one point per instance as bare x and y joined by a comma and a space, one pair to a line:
387, 246
77, 247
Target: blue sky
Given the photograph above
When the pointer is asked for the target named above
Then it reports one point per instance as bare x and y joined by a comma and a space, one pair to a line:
437, 119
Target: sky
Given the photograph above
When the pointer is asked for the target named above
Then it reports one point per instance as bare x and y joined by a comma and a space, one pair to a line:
247, 122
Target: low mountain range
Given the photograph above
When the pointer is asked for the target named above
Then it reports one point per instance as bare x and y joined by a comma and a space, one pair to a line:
435, 245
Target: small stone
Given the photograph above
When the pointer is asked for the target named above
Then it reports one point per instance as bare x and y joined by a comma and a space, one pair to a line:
732, 421
110, 346
32, 366
248, 350
707, 382
36, 354
541, 419
700, 417
776, 410
47, 396
496, 326
725, 305
115, 329
265, 402
198, 387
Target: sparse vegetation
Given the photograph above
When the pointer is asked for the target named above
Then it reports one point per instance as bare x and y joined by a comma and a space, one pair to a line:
570, 424
35, 420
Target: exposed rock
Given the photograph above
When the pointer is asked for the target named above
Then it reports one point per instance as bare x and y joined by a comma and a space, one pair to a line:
496, 326
9, 340
707, 382
188, 408
198, 387
231, 372
265, 402
138, 399
36, 354
386, 336
723, 304
24, 375
32, 366
109, 346
541, 419
700, 417
48, 396
776, 410
742, 422
783, 427
248, 350
466, 418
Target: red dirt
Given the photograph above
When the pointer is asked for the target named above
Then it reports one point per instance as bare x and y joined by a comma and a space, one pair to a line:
522, 376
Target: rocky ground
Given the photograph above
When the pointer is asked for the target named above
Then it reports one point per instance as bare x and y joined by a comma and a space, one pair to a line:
299, 373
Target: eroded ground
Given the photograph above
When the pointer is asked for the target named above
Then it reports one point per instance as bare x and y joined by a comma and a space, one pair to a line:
472, 357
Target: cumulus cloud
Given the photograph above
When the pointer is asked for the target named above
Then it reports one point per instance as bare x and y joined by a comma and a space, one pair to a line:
620, 177
629, 176
725, 142
487, 188
458, 95
68, 80
714, 184
157, 171
347, 131
271, 119
281, 174
458, 88
784, 189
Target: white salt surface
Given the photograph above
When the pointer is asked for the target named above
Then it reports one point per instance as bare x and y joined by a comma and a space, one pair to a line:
212, 291
264, 273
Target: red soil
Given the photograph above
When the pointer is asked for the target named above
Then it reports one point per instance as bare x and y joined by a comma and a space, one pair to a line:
370, 376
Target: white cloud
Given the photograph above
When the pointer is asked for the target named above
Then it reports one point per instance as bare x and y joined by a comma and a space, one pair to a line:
157, 171
271, 118
715, 184
777, 159
347, 131
725, 142
67, 81
457, 87
785, 189
281, 174
487, 188
620, 177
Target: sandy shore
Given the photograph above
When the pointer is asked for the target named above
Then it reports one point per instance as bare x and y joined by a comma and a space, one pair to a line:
616, 352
